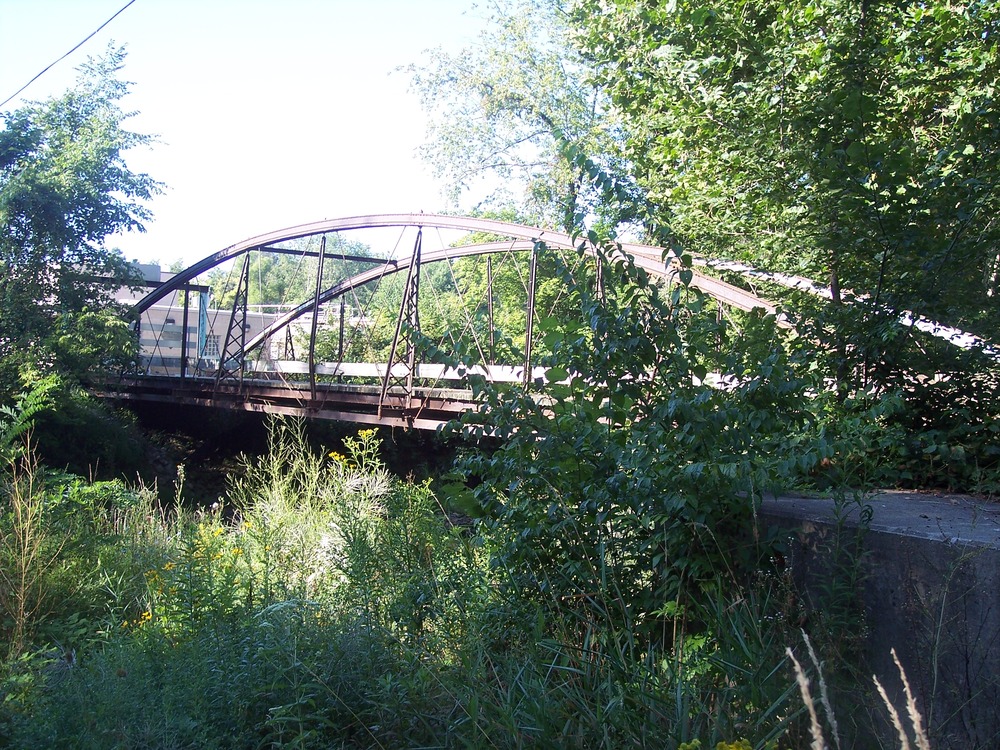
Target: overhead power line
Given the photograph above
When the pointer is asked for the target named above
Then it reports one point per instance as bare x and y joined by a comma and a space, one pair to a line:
48, 67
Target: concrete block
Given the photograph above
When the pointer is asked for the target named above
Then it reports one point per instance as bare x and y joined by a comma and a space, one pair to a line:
929, 587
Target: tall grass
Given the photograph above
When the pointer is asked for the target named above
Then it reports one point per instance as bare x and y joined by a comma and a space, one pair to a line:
818, 732
28, 551
324, 603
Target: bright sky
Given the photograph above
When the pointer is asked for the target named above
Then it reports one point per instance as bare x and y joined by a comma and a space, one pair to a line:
270, 113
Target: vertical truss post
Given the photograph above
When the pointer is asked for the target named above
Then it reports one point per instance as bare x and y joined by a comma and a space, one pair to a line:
202, 328
408, 318
315, 317
232, 354
184, 332
529, 331
289, 353
340, 340
137, 333
489, 308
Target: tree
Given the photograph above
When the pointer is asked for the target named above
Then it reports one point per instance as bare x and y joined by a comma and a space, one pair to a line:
852, 142
629, 486
503, 108
64, 188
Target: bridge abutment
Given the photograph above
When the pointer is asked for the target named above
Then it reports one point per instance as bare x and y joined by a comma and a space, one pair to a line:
928, 587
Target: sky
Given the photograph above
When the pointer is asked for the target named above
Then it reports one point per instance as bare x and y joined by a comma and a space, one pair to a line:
268, 113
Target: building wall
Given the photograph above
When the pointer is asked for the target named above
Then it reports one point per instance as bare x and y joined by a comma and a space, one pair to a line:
164, 338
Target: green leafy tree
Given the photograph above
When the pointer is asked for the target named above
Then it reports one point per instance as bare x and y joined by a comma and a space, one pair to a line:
501, 108
853, 142
64, 188
627, 488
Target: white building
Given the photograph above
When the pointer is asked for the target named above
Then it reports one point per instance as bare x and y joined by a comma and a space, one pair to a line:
184, 326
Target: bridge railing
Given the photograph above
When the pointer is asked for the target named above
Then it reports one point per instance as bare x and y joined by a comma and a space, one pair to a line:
421, 371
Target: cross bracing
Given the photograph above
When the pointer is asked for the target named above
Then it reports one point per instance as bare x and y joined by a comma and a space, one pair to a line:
244, 353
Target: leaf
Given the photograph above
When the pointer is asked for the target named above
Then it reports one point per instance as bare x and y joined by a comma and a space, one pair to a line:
556, 374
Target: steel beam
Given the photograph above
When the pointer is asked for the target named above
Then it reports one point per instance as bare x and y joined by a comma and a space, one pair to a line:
407, 324
234, 349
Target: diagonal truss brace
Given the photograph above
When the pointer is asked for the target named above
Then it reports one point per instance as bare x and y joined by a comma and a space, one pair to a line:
233, 352
403, 352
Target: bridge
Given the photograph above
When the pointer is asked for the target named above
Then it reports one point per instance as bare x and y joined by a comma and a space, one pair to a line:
381, 320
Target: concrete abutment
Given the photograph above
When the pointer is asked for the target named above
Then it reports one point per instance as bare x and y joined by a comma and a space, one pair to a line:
929, 588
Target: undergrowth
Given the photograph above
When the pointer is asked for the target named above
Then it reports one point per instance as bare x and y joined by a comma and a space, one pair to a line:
336, 607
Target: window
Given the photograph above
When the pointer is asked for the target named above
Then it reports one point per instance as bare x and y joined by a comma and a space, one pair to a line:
211, 347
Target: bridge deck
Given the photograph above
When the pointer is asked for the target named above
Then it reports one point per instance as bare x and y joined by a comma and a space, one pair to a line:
424, 408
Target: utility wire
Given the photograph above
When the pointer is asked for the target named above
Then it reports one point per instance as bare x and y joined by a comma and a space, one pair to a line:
51, 65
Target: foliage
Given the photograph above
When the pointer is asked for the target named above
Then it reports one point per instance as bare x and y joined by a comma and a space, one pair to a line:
853, 143
27, 554
16, 421
64, 188
336, 607
77, 431
952, 433
28, 549
92, 343
282, 625
630, 480
497, 106
616, 590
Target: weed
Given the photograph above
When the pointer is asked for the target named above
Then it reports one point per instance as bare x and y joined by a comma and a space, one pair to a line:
817, 732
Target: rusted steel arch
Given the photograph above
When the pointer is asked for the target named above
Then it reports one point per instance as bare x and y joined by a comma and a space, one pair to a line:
360, 279
375, 221
726, 292
645, 256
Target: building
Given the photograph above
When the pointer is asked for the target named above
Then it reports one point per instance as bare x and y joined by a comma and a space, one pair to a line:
183, 333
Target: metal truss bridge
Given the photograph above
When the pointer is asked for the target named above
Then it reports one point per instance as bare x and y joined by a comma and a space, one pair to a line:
372, 319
